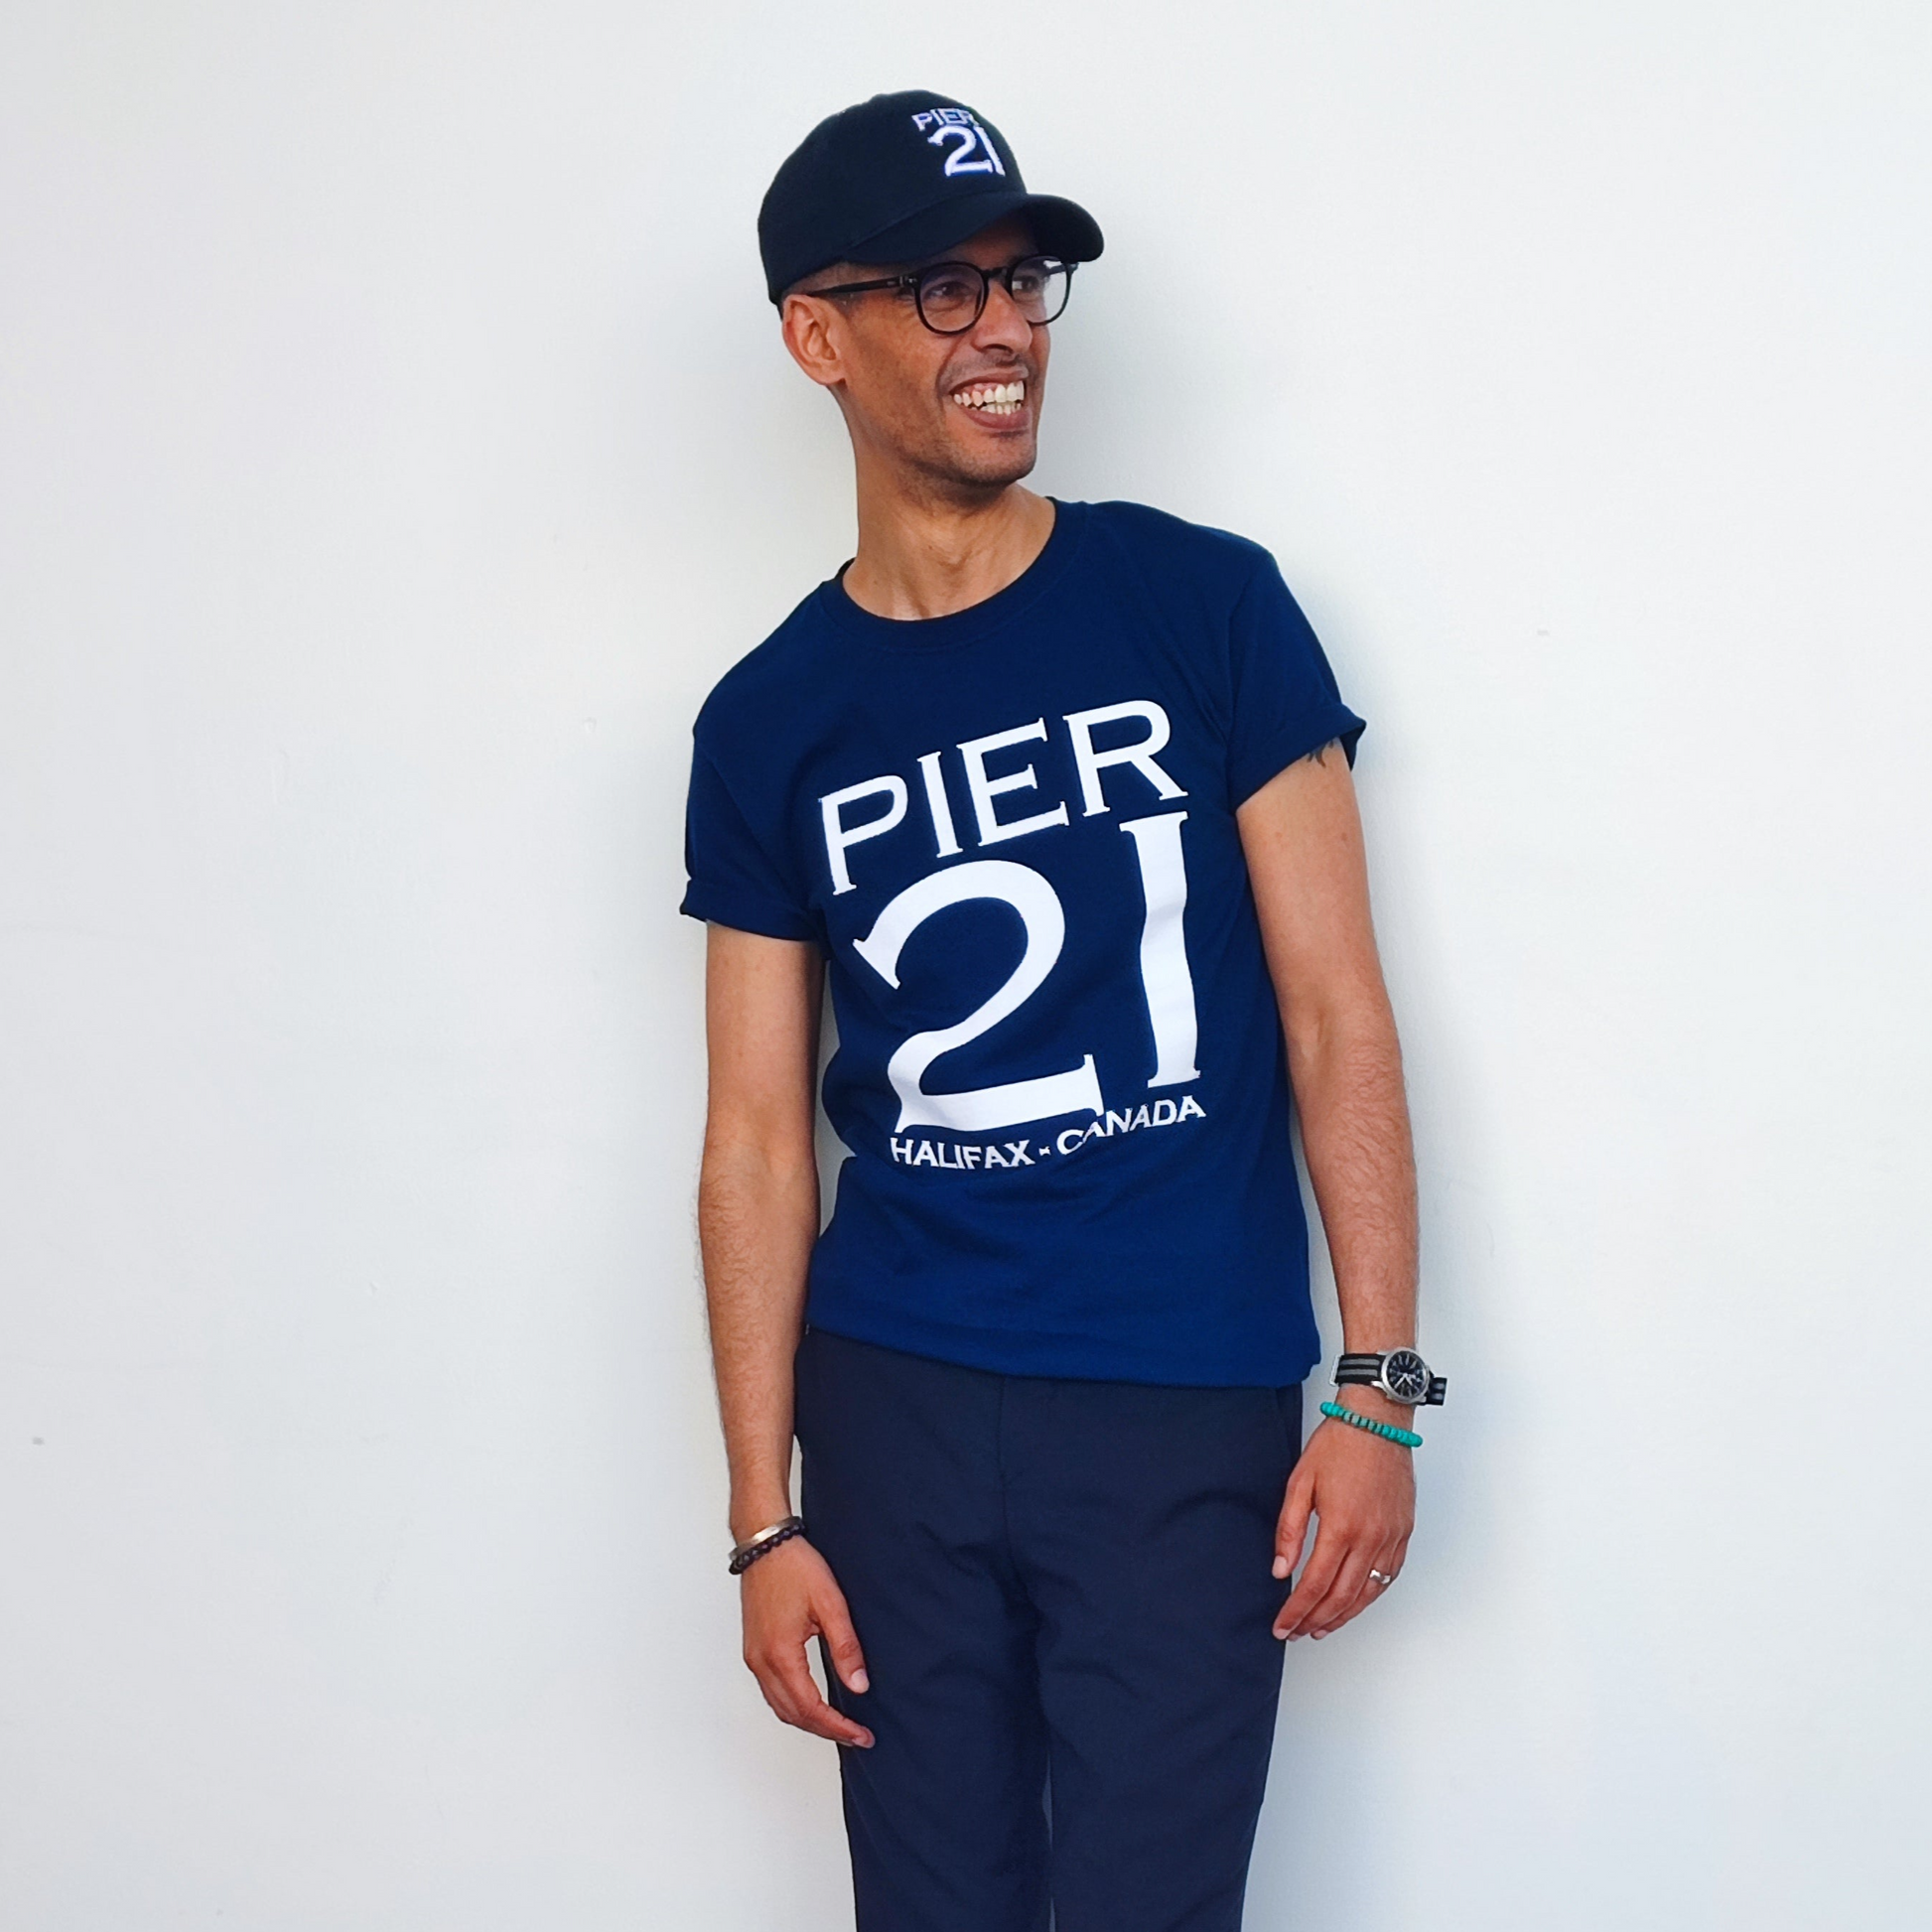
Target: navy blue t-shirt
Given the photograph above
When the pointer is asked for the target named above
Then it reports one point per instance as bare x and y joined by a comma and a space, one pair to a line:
1011, 830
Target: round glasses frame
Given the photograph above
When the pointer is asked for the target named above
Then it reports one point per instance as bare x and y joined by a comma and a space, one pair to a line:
918, 279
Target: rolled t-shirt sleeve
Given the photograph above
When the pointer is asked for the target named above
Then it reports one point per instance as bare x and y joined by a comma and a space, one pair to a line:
1285, 703
733, 880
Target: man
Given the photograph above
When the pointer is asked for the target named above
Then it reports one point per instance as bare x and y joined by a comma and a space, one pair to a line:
1059, 796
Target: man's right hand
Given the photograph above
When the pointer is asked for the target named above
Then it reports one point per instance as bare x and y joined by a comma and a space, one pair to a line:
789, 1598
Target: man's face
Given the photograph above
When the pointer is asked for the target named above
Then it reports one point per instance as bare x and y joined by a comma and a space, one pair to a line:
961, 410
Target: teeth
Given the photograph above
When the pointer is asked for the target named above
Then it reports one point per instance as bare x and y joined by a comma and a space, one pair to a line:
996, 398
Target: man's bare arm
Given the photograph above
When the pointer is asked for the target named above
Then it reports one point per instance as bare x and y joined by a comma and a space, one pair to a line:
758, 1199
758, 1217
1302, 839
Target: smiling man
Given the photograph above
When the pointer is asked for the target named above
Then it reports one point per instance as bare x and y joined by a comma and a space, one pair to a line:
1058, 797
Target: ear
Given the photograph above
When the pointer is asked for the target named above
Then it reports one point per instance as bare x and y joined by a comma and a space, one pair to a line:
813, 326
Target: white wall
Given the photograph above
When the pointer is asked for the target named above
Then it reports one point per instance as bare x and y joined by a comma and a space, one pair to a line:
393, 446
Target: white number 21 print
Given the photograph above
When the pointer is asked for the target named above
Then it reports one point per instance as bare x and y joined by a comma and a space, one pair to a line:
1166, 985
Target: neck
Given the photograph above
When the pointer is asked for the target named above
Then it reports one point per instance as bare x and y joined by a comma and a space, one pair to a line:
927, 556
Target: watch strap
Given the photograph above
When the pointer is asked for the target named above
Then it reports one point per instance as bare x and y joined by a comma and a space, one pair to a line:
1365, 1370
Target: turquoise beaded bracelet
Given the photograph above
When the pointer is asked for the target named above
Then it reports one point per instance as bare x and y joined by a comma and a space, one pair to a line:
1406, 1437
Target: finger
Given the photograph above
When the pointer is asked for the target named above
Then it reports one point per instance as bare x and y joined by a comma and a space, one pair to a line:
841, 1639
1389, 1564
1343, 1596
1292, 1527
1331, 1547
1331, 1617
1338, 1546
1382, 1571
790, 1688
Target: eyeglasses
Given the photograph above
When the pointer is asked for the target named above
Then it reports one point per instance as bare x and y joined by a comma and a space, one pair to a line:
951, 296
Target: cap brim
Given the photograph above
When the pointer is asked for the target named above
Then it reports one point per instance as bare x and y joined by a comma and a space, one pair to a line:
1060, 228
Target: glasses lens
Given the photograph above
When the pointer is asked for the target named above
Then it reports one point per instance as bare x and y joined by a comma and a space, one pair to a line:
950, 296
1041, 285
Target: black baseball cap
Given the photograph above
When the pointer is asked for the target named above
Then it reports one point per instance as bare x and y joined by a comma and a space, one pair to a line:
897, 178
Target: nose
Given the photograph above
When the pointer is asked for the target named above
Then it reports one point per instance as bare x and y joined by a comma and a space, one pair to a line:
1000, 325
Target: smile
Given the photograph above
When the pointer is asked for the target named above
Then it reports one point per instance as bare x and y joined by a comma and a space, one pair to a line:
991, 398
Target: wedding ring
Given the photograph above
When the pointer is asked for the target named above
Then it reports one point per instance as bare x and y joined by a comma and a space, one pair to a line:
1376, 1576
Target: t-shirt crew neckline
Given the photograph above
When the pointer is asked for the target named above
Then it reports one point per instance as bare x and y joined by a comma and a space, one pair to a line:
965, 627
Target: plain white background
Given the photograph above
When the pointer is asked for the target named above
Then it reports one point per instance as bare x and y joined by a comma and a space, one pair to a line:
394, 446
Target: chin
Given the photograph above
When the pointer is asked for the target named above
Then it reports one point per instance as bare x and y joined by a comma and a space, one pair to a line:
993, 469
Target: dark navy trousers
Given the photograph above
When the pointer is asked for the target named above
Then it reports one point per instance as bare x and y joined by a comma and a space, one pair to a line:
1064, 1594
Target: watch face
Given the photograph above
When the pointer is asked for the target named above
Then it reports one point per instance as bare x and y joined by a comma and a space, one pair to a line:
1405, 1375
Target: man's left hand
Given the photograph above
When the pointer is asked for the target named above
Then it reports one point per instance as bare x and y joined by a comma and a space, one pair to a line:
1361, 1490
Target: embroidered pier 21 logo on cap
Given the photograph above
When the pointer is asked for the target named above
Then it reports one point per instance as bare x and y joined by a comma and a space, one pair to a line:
968, 147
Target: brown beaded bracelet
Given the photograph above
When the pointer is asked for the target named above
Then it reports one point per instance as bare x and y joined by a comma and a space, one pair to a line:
749, 1552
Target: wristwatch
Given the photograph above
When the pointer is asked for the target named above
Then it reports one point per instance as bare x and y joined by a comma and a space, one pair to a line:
1401, 1375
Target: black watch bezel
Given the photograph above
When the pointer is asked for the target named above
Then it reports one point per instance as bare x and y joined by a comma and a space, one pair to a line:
1414, 1371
